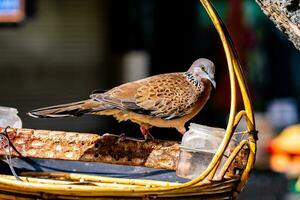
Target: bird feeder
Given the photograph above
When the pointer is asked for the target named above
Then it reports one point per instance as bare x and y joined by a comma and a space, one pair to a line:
226, 184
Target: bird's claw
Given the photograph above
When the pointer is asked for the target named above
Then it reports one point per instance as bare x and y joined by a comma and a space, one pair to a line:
146, 133
149, 137
122, 138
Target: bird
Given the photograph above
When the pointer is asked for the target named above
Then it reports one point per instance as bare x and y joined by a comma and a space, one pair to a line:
165, 100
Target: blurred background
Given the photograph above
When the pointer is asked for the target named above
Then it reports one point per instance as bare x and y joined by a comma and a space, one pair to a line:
58, 51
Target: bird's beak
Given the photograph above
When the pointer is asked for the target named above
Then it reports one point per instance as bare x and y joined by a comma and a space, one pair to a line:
213, 82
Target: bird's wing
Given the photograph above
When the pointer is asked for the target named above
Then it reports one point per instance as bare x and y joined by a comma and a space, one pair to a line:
166, 96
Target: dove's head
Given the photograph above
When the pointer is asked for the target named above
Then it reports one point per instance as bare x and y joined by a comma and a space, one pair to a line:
203, 68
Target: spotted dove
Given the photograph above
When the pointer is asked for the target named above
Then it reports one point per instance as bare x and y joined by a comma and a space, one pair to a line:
164, 100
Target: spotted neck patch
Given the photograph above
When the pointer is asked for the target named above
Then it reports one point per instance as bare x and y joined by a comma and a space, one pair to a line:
192, 79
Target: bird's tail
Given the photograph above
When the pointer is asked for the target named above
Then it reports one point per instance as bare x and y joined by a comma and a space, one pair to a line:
66, 110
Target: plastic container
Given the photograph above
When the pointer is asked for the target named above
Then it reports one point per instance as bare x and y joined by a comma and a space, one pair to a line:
198, 147
9, 117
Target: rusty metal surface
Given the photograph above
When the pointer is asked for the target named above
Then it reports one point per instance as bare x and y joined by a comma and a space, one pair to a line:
108, 148
93, 148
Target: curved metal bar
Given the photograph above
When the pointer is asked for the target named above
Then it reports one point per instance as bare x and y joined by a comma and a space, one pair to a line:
232, 157
233, 65
245, 95
217, 21
250, 163
213, 172
239, 116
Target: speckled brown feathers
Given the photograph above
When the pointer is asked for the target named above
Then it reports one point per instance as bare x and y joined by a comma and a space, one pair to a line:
165, 96
165, 100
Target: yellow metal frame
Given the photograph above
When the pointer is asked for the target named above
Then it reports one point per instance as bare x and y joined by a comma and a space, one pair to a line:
104, 186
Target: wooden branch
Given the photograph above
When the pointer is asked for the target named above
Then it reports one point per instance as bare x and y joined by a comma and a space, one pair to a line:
92, 147
286, 15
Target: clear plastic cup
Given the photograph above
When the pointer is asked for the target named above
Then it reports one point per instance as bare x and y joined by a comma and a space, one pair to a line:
9, 117
198, 147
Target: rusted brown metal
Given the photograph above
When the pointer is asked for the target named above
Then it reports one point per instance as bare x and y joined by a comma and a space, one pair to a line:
95, 148
92, 147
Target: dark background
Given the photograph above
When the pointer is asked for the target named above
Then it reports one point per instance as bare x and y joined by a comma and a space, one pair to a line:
65, 49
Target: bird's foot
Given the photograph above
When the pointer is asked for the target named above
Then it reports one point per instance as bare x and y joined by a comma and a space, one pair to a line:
146, 133
122, 138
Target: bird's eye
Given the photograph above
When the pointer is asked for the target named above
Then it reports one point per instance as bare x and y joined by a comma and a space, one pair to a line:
202, 67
